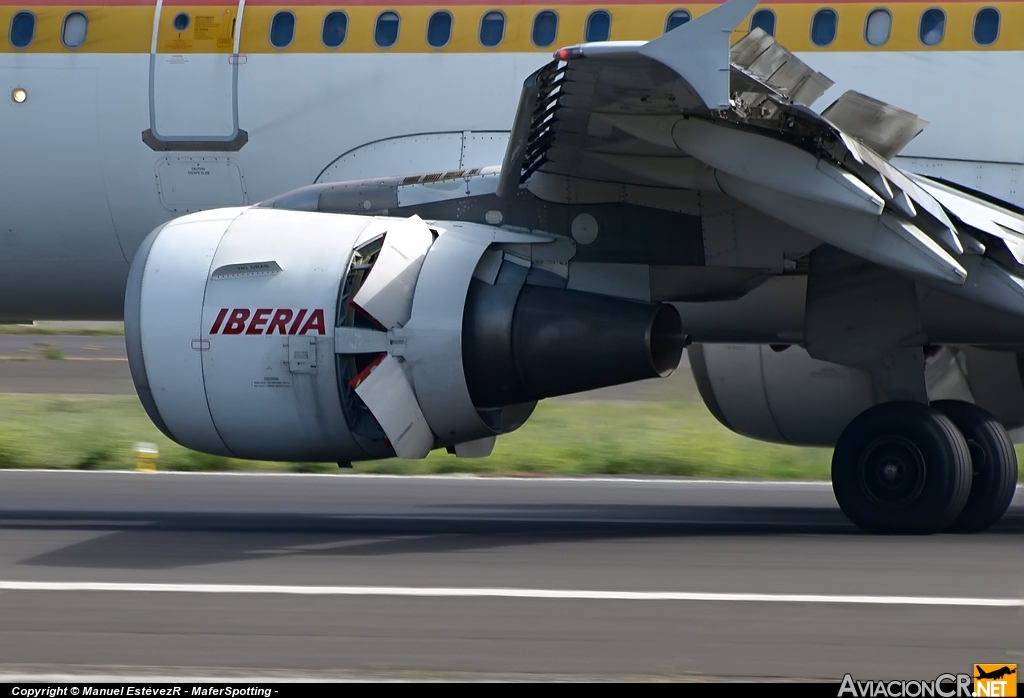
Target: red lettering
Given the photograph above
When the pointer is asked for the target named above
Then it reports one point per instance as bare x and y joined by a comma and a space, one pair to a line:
268, 321
315, 322
219, 321
280, 321
258, 320
298, 320
236, 323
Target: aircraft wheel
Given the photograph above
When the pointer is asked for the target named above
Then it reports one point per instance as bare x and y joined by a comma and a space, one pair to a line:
993, 465
901, 467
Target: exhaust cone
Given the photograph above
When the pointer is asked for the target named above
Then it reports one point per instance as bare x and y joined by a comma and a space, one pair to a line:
528, 343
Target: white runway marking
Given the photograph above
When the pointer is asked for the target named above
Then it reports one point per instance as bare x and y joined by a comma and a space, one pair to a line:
463, 477
488, 592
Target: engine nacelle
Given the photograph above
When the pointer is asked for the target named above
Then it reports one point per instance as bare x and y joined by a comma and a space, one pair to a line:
780, 396
285, 335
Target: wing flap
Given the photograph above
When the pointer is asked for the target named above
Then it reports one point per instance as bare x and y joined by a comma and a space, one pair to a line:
978, 213
759, 56
686, 112
882, 127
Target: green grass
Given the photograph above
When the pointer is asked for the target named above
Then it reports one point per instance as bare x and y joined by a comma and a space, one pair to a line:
562, 437
50, 351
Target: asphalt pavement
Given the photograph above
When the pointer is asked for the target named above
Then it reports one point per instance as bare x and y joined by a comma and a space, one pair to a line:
459, 577
64, 364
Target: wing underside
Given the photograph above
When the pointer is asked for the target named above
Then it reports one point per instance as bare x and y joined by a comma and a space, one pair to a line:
688, 112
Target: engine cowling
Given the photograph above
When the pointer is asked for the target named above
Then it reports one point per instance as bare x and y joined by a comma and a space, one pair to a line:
780, 395
285, 335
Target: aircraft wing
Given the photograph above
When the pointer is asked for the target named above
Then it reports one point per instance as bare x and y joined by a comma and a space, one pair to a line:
690, 112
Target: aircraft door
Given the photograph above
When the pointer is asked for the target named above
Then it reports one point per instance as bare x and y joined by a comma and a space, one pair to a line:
193, 77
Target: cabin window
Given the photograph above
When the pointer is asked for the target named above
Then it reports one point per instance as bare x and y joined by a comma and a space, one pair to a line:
492, 28
599, 26
282, 30
676, 18
986, 26
545, 28
823, 27
181, 21
877, 27
439, 29
23, 29
385, 34
335, 29
74, 30
763, 20
932, 27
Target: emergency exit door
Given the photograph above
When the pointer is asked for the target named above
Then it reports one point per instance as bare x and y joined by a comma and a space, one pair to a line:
193, 77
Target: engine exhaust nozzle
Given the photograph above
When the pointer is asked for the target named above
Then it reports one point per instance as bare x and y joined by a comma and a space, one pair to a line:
527, 343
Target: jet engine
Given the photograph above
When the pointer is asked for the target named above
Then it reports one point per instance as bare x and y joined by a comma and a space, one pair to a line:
779, 393
285, 335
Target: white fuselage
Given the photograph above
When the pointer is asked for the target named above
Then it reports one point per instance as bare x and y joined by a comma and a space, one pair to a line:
79, 189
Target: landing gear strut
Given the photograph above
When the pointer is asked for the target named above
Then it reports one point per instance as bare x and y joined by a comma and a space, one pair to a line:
901, 467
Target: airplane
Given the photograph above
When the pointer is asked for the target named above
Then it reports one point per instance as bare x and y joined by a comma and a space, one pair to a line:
995, 673
846, 277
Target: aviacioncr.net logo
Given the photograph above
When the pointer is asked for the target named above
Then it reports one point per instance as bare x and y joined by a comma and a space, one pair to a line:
943, 686
995, 680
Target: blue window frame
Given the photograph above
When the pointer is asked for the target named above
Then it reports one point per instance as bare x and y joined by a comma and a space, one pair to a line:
764, 20
74, 30
823, 27
932, 28
986, 26
385, 32
282, 30
676, 18
492, 28
598, 27
545, 28
334, 30
23, 29
439, 29
878, 27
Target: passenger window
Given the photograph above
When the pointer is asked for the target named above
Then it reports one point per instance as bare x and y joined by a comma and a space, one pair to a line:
181, 21
599, 26
986, 26
385, 34
23, 29
282, 29
439, 29
932, 27
75, 29
823, 27
335, 29
492, 28
545, 28
877, 27
764, 20
676, 18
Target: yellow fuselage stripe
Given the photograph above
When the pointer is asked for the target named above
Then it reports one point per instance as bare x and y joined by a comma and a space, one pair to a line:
128, 29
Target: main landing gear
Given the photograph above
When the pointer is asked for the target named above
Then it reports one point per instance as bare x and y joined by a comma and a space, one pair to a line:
906, 467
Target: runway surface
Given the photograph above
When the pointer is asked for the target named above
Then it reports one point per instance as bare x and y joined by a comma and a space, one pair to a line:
457, 577
90, 365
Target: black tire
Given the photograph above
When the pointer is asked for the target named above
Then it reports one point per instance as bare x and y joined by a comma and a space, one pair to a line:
901, 467
993, 465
